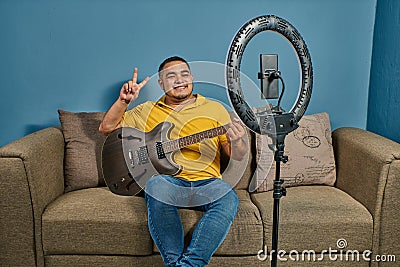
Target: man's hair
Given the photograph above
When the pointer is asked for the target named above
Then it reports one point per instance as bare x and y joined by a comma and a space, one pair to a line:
170, 59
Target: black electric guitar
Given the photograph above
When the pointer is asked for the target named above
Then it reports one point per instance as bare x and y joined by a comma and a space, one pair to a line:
130, 157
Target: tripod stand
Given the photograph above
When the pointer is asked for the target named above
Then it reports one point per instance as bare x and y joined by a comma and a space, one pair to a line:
285, 122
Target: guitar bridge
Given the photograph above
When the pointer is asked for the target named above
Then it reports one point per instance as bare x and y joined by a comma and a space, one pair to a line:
160, 150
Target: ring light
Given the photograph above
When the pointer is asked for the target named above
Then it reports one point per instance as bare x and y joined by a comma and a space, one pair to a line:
233, 61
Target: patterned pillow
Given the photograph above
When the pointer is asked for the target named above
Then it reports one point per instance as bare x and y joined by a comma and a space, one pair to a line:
310, 152
83, 144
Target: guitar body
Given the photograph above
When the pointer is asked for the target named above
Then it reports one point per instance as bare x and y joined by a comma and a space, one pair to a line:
131, 157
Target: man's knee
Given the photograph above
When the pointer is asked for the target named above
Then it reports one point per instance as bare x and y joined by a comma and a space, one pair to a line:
233, 200
230, 203
153, 181
157, 183
167, 189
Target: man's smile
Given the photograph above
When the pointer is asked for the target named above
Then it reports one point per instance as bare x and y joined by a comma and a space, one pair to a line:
180, 86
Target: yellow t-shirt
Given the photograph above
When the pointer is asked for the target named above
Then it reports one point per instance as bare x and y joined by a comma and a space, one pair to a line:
199, 161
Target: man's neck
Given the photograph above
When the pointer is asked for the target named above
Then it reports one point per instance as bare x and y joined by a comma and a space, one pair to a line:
178, 104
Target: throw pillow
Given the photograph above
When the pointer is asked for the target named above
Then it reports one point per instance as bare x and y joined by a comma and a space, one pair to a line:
83, 144
310, 152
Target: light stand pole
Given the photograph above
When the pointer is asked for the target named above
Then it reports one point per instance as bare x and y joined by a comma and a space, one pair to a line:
284, 124
279, 191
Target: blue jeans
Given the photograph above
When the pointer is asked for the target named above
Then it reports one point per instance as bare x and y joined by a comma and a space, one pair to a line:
166, 194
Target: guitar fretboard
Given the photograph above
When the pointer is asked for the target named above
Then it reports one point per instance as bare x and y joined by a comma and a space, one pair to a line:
173, 145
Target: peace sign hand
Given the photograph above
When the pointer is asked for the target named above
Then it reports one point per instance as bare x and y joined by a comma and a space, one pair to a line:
130, 90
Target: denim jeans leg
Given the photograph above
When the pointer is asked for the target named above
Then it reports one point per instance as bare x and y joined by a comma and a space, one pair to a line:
164, 222
212, 228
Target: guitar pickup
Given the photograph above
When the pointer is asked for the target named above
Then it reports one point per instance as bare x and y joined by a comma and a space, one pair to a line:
143, 155
160, 150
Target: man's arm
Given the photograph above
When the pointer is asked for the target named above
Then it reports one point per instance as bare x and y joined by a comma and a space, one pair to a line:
112, 119
236, 148
128, 93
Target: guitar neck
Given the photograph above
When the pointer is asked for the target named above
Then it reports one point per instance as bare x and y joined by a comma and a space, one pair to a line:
173, 145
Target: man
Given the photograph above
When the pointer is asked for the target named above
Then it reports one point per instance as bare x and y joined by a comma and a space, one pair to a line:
199, 184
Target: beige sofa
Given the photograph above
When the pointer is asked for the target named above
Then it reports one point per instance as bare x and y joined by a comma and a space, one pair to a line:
41, 225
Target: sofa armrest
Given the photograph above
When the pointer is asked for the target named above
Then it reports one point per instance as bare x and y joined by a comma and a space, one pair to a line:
368, 168
31, 176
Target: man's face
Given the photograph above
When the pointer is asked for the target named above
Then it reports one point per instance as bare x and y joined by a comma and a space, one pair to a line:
176, 80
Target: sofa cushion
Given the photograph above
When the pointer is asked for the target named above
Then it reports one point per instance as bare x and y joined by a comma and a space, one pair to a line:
83, 144
245, 234
96, 221
310, 152
315, 218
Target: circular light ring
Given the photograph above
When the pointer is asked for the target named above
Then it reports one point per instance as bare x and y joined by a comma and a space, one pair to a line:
234, 57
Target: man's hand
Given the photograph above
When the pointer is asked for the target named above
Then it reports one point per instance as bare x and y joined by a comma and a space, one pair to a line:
130, 90
235, 132
236, 148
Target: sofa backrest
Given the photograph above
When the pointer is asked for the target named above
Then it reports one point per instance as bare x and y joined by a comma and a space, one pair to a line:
81, 131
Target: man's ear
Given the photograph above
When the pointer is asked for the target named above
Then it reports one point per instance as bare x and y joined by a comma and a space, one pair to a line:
161, 84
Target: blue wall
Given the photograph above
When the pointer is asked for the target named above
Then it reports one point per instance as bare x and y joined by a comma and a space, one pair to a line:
384, 97
74, 55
